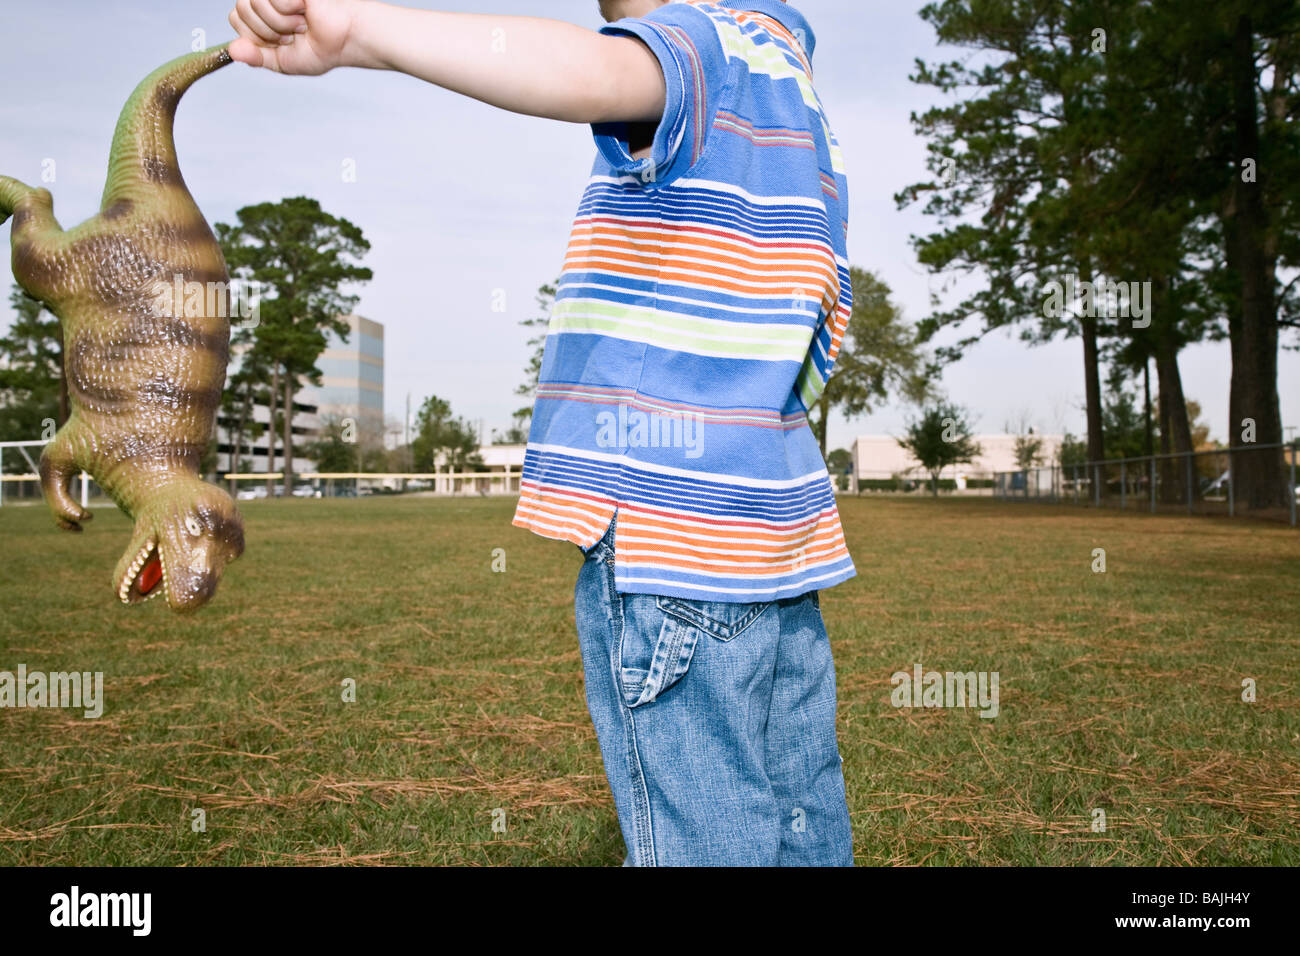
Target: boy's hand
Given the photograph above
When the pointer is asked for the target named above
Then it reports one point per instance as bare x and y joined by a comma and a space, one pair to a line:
305, 37
551, 69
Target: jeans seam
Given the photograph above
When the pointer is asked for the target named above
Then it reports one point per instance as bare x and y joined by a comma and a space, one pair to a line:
642, 825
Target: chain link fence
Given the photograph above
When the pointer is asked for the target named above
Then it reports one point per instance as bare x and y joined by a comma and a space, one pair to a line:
1200, 482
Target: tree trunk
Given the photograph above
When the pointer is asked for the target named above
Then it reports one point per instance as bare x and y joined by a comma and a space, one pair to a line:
288, 433
1092, 389
270, 430
236, 447
1259, 476
1146, 387
238, 443
1176, 430
1171, 479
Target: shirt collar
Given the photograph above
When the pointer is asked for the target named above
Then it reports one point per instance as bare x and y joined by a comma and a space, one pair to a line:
782, 13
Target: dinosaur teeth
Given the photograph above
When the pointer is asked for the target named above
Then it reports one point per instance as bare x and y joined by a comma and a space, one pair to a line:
133, 572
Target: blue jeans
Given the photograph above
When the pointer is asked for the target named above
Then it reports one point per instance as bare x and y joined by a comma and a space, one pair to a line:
716, 724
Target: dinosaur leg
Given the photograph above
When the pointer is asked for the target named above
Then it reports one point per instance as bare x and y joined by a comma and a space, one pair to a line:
35, 235
58, 467
12, 193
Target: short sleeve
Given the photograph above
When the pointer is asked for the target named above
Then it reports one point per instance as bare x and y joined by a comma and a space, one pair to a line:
687, 45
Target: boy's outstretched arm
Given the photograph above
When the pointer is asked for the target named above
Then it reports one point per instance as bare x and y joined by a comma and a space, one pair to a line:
523, 64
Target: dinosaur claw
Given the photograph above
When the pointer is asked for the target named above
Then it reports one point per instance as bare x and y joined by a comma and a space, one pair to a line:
72, 519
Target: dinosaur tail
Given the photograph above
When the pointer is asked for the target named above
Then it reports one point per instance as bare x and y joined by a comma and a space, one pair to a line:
144, 153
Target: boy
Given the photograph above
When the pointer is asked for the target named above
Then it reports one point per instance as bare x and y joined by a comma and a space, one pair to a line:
703, 299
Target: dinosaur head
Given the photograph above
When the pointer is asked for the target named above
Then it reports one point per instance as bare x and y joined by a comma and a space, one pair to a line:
184, 538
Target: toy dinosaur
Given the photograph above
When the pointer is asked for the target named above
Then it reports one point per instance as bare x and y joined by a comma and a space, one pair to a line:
144, 358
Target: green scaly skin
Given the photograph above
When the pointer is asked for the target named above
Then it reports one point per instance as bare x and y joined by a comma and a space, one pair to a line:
145, 367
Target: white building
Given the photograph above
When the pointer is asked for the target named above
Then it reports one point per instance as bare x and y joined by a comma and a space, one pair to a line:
352, 376
881, 457
306, 427
502, 467
352, 386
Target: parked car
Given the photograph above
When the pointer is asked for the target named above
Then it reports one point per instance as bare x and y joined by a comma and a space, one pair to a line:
1215, 489
251, 493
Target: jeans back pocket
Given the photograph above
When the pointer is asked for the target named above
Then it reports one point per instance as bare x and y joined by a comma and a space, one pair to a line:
659, 637
724, 621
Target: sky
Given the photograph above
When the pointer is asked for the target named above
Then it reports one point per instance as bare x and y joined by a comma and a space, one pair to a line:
468, 208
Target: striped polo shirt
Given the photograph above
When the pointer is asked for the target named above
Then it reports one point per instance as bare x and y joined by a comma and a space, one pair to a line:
702, 302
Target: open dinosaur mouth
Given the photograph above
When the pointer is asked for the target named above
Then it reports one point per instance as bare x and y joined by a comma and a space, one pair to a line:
143, 576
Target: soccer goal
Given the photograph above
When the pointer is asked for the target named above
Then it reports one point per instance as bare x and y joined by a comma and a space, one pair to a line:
20, 448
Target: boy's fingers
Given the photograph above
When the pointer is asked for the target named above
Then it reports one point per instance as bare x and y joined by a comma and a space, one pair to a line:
288, 7
248, 48
254, 23
239, 28
238, 24
274, 19
245, 50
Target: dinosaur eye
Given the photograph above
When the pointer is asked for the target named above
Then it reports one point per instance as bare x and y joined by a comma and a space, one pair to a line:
192, 525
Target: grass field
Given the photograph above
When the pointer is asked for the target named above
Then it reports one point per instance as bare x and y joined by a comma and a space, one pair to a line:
1119, 690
